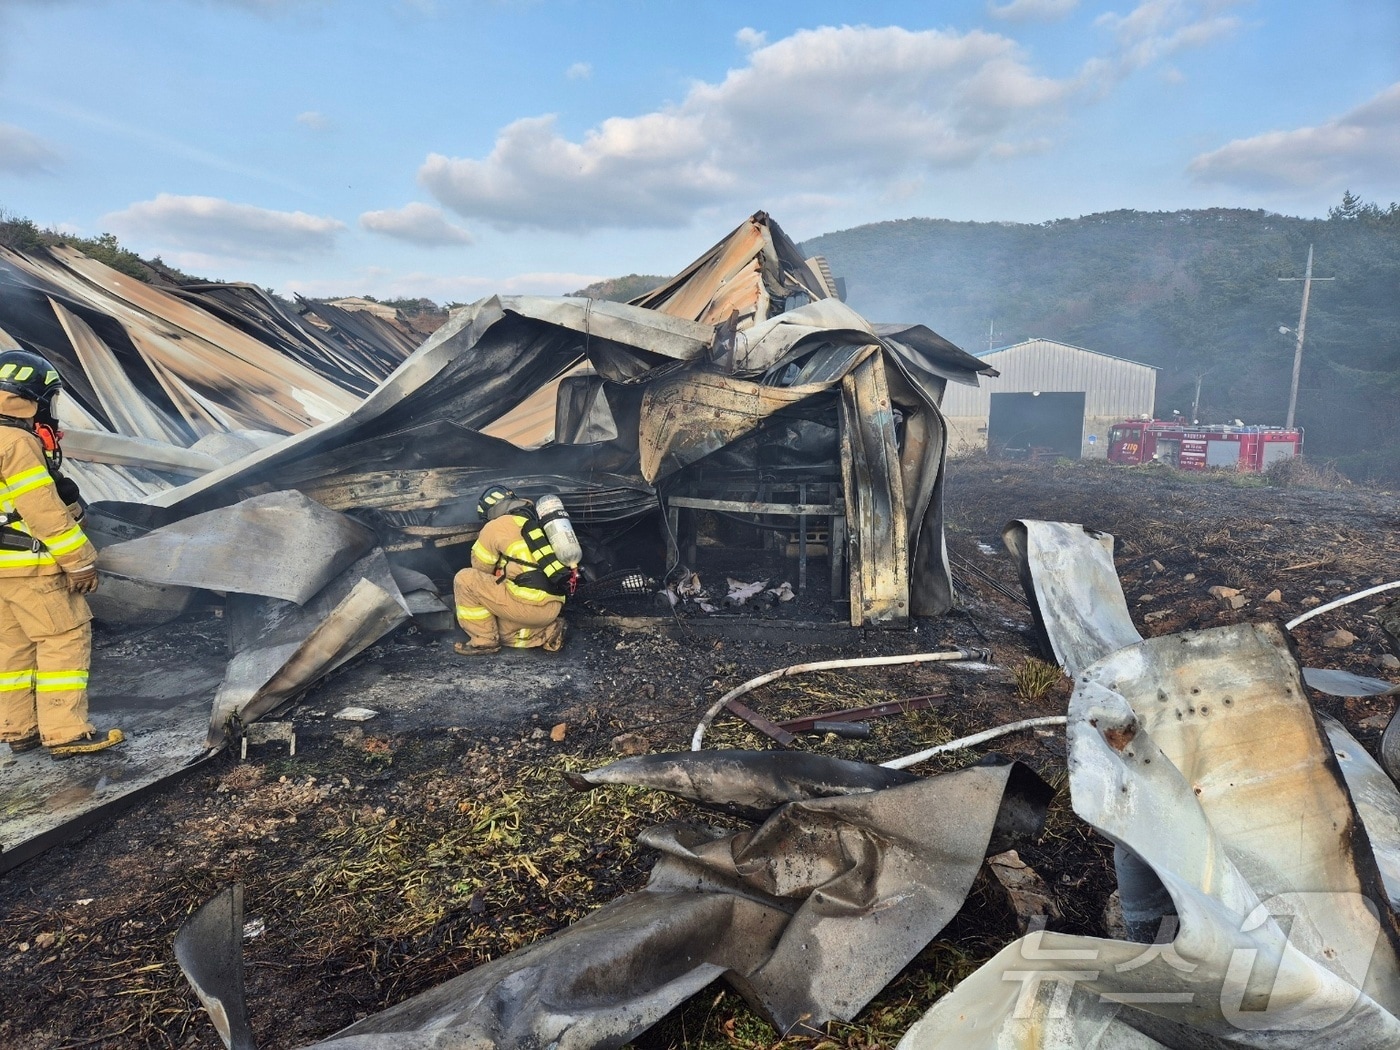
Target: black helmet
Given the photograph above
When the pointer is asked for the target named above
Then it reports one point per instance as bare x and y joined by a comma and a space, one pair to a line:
498, 500
28, 375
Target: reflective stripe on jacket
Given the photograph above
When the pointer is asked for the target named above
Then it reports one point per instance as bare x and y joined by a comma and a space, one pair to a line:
27, 493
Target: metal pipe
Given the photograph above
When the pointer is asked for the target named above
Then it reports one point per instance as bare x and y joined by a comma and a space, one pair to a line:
973, 740
698, 737
1339, 602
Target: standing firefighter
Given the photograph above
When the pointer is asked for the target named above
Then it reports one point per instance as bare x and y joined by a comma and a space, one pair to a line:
514, 590
46, 566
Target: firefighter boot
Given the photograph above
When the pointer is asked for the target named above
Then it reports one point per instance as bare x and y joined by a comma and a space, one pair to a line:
553, 637
467, 649
25, 743
97, 740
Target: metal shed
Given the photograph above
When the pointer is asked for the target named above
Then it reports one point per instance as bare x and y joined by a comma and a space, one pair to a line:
1048, 395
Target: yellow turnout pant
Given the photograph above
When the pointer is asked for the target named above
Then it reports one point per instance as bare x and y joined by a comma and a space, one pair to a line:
45, 649
492, 616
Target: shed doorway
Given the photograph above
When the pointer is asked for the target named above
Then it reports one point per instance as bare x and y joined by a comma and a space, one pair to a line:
1033, 426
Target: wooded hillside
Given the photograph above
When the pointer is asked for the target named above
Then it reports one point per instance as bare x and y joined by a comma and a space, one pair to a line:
1196, 293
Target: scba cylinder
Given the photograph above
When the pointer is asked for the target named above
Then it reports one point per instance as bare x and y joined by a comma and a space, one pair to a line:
559, 529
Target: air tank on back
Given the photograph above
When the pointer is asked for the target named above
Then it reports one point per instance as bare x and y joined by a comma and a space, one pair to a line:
559, 529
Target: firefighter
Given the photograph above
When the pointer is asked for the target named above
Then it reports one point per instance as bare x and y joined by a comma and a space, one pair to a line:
46, 566
514, 589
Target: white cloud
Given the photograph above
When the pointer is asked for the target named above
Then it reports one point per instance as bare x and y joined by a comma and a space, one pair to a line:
1031, 10
750, 39
24, 153
1358, 148
1156, 29
419, 224
220, 229
830, 109
579, 71
314, 120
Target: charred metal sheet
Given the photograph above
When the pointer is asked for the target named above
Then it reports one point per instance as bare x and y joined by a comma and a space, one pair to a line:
1390, 746
923, 456
599, 983
1199, 756
281, 545
810, 915
204, 367
1343, 683
208, 948
687, 417
119, 450
281, 647
214, 359
165, 365
164, 715
750, 783
818, 328
1377, 803
486, 360
878, 529
1077, 601
338, 344
122, 402
933, 353
747, 277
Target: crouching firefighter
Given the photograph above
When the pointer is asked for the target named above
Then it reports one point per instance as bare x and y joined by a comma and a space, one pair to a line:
514, 590
46, 566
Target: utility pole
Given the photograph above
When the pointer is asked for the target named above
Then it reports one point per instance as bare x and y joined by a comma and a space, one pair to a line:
1196, 402
991, 327
1307, 280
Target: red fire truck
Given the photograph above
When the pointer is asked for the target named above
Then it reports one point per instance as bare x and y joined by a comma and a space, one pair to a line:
1190, 446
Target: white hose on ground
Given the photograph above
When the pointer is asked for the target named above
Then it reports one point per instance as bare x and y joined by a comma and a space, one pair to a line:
698, 737
1340, 601
973, 740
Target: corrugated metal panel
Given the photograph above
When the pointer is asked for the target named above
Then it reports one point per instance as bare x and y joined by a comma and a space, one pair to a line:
1112, 386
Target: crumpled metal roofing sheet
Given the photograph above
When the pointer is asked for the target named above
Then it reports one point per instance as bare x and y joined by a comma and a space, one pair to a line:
281, 545
1276, 844
746, 278
1200, 755
282, 647
810, 914
1068, 574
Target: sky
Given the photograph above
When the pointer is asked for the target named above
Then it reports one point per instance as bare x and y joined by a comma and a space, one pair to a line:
453, 150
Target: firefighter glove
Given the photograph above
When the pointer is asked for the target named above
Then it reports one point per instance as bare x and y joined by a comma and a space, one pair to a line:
83, 581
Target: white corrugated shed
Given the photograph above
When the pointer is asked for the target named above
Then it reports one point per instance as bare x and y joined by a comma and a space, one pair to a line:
1114, 388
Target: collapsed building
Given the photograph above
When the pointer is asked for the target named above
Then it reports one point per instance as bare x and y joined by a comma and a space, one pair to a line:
197, 417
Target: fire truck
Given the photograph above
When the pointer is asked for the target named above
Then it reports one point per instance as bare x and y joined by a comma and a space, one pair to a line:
1188, 446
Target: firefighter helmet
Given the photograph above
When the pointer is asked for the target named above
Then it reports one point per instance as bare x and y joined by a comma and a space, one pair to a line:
28, 375
498, 500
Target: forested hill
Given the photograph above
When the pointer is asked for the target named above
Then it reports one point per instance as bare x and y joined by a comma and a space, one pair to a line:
1196, 293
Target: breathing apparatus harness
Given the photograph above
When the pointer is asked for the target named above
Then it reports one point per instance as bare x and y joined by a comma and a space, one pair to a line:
546, 573
50, 437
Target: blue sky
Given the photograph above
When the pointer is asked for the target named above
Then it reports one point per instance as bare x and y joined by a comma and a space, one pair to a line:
456, 149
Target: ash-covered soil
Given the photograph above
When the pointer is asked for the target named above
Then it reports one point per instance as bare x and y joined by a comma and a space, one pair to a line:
388, 855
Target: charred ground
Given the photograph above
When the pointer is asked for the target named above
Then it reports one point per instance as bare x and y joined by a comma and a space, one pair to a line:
385, 857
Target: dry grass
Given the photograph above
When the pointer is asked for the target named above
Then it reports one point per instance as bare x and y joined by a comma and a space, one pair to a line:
1036, 678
